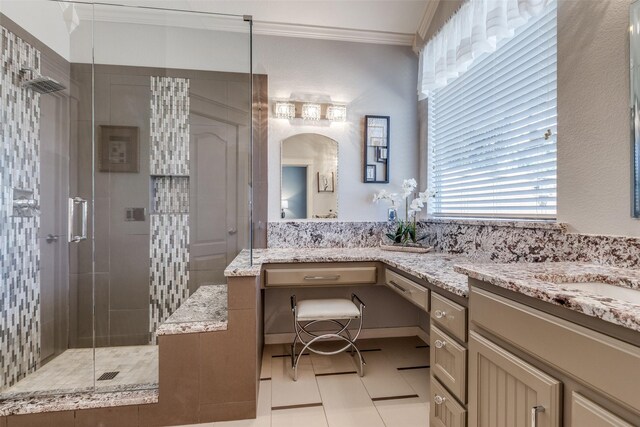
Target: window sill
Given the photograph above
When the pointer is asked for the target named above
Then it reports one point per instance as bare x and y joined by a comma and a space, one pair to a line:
498, 222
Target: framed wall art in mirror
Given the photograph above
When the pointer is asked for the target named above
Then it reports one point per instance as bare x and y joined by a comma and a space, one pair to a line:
376, 149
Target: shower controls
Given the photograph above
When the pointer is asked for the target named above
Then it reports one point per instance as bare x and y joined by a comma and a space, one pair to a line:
51, 238
24, 204
73, 202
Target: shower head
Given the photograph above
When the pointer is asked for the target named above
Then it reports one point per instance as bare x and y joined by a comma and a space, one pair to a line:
40, 84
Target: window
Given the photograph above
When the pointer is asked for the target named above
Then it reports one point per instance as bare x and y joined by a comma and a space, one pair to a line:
492, 131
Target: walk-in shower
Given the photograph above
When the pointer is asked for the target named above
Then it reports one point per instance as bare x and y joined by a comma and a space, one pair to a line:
125, 183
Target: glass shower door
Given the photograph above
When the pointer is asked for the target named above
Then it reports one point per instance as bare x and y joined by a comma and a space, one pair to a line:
172, 125
44, 209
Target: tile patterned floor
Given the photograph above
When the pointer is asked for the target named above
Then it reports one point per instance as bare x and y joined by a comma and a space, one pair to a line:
394, 391
73, 370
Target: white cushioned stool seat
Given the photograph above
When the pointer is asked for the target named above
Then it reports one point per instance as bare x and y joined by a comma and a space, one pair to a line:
326, 309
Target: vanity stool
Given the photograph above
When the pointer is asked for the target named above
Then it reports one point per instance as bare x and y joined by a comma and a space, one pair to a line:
340, 312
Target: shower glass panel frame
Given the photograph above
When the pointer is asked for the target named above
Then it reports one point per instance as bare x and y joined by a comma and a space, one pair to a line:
158, 197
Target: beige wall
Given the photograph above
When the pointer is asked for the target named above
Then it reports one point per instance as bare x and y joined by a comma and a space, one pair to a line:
594, 156
369, 79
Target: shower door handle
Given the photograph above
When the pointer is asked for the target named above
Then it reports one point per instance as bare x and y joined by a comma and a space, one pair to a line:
73, 201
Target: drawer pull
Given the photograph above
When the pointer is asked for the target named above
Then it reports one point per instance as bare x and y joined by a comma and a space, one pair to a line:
440, 314
336, 277
439, 400
534, 415
400, 288
440, 344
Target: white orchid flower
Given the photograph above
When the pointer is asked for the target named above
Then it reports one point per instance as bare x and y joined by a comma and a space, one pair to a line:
426, 195
408, 186
384, 195
416, 205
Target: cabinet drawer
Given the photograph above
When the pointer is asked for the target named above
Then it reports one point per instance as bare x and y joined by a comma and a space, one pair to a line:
320, 276
445, 411
419, 295
449, 315
449, 362
585, 413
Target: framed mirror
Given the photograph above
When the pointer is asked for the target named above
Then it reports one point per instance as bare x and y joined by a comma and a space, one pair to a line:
309, 177
376, 149
634, 45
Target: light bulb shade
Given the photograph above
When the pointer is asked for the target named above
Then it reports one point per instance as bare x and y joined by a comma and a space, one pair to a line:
285, 110
285, 204
337, 113
311, 111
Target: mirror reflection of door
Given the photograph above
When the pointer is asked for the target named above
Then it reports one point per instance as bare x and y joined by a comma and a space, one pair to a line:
634, 44
294, 191
309, 160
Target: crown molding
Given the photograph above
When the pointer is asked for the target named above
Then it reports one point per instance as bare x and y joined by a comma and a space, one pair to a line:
427, 17
331, 33
217, 23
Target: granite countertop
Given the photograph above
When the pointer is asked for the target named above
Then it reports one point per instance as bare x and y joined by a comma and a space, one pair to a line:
435, 267
74, 401
204, 311
544, 281
449, 272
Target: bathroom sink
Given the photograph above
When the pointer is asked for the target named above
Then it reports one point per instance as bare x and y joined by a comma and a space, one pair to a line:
606, 290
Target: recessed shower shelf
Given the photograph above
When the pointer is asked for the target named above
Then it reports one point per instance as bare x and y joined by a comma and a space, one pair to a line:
169, 195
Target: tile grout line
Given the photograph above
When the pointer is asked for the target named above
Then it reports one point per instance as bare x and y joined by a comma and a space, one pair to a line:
404, 396
327, 374
302, 405
408, 368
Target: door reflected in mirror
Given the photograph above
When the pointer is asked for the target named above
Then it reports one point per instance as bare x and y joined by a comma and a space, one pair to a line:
309, 174
634, 44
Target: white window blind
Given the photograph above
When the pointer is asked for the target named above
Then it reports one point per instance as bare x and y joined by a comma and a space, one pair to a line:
492, 131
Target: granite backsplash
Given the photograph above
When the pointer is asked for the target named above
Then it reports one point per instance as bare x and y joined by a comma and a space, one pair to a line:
504, 241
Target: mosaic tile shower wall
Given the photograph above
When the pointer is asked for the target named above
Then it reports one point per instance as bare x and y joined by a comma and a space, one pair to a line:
169, 126
19, 246
169, 166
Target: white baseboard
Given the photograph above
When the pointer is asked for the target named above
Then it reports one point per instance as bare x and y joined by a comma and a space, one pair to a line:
406, 331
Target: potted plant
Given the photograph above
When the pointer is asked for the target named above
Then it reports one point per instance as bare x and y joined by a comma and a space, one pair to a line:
405, 237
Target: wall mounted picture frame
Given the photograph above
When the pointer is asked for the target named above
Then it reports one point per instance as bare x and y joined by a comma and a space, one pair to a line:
376, 149
326, 182
118, 149
370, 173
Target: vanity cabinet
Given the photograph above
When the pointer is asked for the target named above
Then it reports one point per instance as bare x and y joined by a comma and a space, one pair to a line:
448, 360
506, 391
445, 410
588, 413
408, 289
523, 359
286, 276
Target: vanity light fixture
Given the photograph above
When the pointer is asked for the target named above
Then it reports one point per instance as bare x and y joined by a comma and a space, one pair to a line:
285, 110
284, 205
337, 113
311, 111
